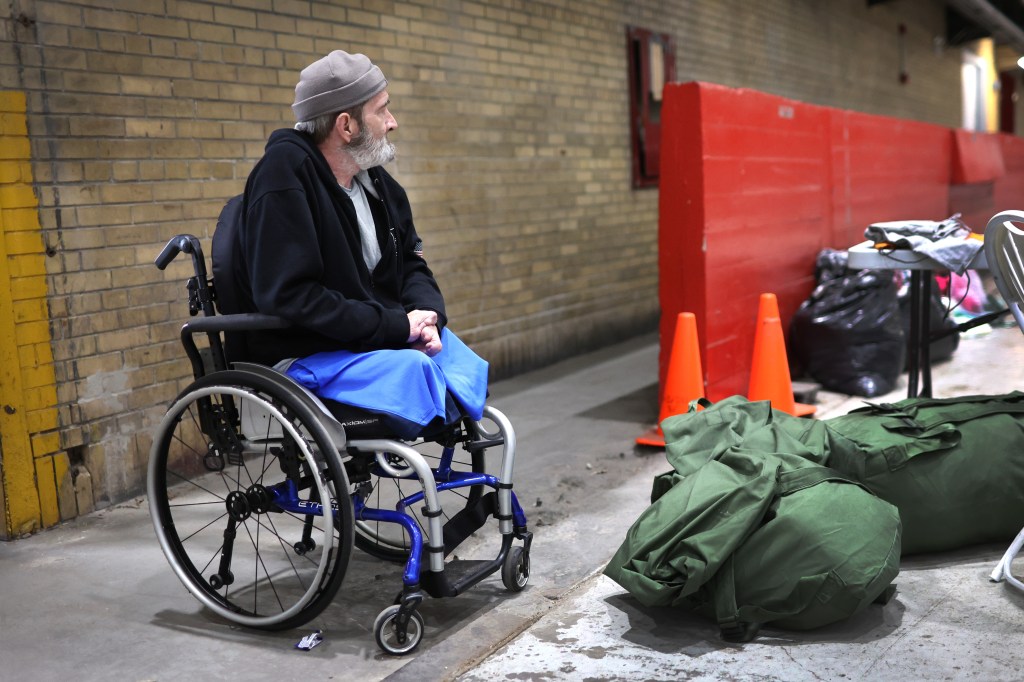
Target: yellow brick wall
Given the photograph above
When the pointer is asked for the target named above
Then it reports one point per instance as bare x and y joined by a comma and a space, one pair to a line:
145, 115
32, 465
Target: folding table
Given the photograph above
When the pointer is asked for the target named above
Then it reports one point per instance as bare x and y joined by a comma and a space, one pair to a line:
865, 256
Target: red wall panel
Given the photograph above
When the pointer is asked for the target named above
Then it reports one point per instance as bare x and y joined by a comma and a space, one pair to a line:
681, 216
886, 169
977, 157
978, 167
753, 186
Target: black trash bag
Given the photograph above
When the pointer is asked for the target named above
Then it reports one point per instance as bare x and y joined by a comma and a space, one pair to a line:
942, 326
848, 335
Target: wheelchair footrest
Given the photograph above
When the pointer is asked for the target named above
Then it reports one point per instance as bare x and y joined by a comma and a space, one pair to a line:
458, 576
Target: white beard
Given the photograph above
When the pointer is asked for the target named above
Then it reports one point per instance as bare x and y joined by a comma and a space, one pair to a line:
369, 151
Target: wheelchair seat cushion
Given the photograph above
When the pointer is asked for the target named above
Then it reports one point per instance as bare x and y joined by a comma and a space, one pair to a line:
362, 424
408, 388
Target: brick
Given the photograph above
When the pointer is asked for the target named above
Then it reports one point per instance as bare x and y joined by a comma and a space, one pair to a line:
293, 7
37, 376
225, 73
78, 282
57, 13
176, 149
16, 196
125, 193
105, 83
40, 420
96, 364
12, 123
131, 338
20, 219
108, 259
149, 128
170, 108
234, 17
47, 487
39, 397
149, 170
163, 26
114, 299
165, 68
152, 87
84, 495
30, 310
280, 23
192, 11
213, 33
96, 127
28, 287
66, 502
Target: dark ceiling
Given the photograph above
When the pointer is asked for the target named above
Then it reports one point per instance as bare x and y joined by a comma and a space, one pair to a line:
961, 29
968, 20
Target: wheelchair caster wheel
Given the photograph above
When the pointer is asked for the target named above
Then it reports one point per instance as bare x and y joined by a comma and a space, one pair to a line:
515, 571
303, 546
218, 580
386, 631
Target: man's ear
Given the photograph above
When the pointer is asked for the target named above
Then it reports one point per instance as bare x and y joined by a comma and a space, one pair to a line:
346, 126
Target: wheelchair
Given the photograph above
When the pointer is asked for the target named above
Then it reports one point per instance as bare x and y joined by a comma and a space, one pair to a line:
259, 490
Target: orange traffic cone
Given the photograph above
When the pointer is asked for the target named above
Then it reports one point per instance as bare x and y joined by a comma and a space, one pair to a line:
684, 381
769, 369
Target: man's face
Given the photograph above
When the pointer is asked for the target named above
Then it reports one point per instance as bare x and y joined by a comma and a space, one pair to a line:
370, 146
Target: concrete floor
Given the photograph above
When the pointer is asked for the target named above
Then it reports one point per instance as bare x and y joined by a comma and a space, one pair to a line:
95, 599
948, 621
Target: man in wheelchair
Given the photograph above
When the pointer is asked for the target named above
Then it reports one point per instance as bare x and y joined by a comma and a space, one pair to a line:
257, 496
323, 237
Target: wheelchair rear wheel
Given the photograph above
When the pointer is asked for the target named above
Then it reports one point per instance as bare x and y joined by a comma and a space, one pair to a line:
250, 501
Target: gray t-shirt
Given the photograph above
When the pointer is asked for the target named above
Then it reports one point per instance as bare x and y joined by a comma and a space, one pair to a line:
367, 231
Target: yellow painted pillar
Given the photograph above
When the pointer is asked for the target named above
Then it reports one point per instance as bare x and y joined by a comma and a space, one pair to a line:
30, 461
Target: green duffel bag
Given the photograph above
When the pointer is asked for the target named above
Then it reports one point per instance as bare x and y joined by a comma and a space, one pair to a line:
695, 437
747, 536
954, 467
825, 551
694, 523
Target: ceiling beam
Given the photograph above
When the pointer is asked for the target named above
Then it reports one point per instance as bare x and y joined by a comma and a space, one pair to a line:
984, 14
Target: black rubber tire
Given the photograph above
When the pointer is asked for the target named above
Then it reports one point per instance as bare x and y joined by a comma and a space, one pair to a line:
385, 633
271, 586
515, 570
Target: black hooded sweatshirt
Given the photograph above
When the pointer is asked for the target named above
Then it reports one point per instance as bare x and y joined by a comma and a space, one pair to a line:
297, 254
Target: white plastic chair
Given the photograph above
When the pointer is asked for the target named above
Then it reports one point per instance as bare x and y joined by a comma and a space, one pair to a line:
1004, 251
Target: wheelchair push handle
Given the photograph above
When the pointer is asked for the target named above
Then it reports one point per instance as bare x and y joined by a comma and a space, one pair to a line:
182, 243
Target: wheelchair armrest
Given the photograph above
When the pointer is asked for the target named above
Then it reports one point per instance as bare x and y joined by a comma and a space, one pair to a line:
241, 322
213, 325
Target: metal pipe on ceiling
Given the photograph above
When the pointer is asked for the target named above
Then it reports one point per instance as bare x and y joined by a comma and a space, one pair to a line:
988, 16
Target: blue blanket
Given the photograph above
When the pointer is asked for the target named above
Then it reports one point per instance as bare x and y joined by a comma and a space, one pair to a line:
406, 384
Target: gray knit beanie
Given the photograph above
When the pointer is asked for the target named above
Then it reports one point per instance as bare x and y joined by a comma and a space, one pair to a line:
336, 82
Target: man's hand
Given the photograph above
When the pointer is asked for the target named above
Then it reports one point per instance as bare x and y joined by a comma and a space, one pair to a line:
429, 341
418, 320
423, 333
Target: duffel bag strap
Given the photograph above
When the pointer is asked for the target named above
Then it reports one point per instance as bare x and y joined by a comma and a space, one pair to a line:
809, 476
738, 624
966, 408
731, 627
946, 410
